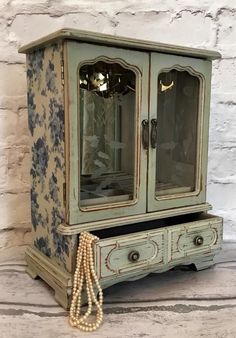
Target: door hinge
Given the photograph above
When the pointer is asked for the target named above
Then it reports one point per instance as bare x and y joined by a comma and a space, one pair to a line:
62, 72
64, 193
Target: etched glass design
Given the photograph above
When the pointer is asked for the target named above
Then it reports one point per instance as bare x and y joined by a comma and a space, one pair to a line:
107, 108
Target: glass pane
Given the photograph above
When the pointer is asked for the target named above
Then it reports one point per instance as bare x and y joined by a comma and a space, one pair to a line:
107, 133
177, 116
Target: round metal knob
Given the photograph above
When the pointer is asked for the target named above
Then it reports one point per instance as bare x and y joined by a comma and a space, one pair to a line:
134, 256
198, 240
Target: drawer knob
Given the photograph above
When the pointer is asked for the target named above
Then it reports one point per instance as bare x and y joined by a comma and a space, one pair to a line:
198, 240
134, 256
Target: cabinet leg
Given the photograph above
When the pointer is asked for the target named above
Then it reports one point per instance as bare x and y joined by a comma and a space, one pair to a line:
63, 299
204, 264
31, 272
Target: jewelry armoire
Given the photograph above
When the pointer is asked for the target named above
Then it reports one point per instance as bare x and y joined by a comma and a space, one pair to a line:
119, 131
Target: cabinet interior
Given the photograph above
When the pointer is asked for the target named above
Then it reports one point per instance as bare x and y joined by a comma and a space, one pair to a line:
149, 225
177, 120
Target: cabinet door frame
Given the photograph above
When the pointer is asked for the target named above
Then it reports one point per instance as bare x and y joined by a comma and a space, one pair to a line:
76, 54
202, 69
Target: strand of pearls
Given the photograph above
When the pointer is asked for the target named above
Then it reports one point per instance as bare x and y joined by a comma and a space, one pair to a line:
85, 274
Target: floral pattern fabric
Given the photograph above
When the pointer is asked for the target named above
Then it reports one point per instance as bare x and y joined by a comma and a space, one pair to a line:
46, 125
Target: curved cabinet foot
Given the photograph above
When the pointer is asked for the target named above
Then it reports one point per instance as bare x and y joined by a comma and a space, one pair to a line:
203, 264
55, 276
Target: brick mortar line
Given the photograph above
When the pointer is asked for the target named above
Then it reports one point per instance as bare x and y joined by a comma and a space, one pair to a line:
17, 229
208, 12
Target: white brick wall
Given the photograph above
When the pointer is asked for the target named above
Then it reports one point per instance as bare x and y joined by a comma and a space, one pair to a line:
204, 23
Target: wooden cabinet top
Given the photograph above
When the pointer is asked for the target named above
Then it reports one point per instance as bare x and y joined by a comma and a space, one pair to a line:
118, 41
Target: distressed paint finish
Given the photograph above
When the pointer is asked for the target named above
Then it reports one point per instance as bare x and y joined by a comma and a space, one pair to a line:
109, 40
46, 125
202, 70
80, 53
160, 249
112, 255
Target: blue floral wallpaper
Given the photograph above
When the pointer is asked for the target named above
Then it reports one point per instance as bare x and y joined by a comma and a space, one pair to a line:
46, 126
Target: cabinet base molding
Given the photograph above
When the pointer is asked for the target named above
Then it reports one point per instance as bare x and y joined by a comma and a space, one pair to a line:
38, 265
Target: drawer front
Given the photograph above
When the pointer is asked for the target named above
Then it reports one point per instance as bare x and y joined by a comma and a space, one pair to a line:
194, 238
124, 254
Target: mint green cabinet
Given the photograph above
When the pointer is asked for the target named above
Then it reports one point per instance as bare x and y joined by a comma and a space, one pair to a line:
119, 140
137, 131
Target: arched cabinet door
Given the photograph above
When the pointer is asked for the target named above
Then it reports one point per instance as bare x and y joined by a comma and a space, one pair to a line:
179, 114
107, 100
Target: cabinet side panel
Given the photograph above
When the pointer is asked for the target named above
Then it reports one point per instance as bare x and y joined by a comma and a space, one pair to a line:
46, 125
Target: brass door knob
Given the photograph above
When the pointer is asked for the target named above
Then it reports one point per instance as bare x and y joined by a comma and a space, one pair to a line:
198, 240
133, 256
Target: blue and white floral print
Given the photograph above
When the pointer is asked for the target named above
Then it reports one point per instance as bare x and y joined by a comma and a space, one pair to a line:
54, 189
50, 78
59, 165
35, 65
46, 125
40, 158
56, 123
61, 242
34, 119
42, 243
36, 216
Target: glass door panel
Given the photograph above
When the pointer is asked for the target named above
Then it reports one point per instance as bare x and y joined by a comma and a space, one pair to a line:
179, 117
107, 110
177, 122
107, 99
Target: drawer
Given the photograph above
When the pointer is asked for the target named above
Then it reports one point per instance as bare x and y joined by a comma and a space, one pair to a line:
199, 237
123, 255
163, 244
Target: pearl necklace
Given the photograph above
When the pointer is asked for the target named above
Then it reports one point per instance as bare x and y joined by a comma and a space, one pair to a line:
85, 274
